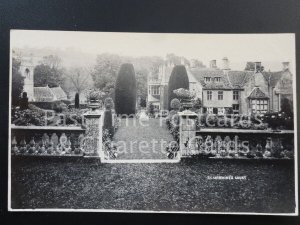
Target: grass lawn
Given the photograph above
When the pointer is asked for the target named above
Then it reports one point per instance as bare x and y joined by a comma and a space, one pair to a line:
85, 183
133, 134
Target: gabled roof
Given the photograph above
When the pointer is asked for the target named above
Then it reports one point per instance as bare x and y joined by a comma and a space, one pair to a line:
200, 75
59, 93
257, 94
43, 94
273, 77
239, 78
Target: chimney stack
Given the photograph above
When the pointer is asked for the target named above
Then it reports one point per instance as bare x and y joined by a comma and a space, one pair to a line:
285, 66
213, 64
257, 66
225, 64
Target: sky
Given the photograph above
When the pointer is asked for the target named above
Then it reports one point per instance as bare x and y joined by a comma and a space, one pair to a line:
270, 49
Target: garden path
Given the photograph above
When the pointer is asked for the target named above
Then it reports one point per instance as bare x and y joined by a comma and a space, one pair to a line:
142, 139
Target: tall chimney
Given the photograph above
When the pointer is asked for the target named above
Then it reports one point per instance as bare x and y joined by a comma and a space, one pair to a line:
213, 64
285, 66
225, 64
257, 66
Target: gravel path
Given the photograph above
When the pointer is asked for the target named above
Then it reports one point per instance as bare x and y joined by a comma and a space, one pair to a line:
142, 140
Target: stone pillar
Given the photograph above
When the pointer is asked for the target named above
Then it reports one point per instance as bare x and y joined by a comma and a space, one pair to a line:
187, 133
93, 134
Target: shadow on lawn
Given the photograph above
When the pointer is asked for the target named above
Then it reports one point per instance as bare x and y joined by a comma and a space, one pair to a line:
87, 184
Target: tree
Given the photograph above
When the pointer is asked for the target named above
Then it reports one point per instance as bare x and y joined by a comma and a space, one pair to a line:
78, 80
250, 66
77, 102
125, 90
17, 81
178, 79
286, 107
106, 69
49, 72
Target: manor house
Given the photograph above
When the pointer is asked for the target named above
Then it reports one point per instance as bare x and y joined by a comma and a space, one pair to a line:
223, 90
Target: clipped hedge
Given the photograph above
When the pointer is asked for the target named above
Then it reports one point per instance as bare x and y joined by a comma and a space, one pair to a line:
125, 91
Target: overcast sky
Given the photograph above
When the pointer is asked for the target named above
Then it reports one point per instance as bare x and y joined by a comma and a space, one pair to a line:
239, 48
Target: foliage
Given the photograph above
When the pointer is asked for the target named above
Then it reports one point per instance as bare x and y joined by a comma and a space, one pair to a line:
250, 66
77, 100
31, 116
286, 107
109, 103
78, 79
125, 92
175, 104
107, 122
150, 108
73, 116
178, 79
197, 103
17, 81
182, 93
106, 70
60, 107
45, 75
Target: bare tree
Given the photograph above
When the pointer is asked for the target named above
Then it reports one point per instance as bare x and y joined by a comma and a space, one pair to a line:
80, 79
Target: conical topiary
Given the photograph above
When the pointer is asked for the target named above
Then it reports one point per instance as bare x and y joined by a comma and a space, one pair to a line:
125, 91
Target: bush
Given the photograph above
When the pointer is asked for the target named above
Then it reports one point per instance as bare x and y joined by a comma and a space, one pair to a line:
109, 103
125, 92
178, 79
107, 122
28, 117
175, 104
73, 117
150, 109
60, 107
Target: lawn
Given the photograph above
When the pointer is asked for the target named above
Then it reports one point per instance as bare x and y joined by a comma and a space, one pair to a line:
136, 141
85, 183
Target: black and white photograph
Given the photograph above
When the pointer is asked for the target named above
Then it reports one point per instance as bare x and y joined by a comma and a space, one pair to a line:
152, 122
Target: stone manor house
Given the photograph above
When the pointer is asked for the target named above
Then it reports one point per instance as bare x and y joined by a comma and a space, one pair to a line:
223, 90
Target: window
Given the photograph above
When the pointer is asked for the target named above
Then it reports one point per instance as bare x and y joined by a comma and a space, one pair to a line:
235, 95
259, 106
235, 107
207, 79
154, 90
217, 79
209, 95
220, 95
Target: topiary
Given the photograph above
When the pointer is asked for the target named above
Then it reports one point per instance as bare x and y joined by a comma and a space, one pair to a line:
178, 79
175, 104
108, 122
125, 92
109, 103
77, 101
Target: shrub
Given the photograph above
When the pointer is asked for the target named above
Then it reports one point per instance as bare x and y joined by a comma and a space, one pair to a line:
77, 101
109, 103
178, 79
125, 92
150, 109
175, 104
107, 122
73, 117
28, 117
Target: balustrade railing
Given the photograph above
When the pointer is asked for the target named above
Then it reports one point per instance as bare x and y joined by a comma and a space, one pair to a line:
33, 140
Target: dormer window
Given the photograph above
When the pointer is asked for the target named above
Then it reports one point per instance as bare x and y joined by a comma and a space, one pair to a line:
217, 79
207, 79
